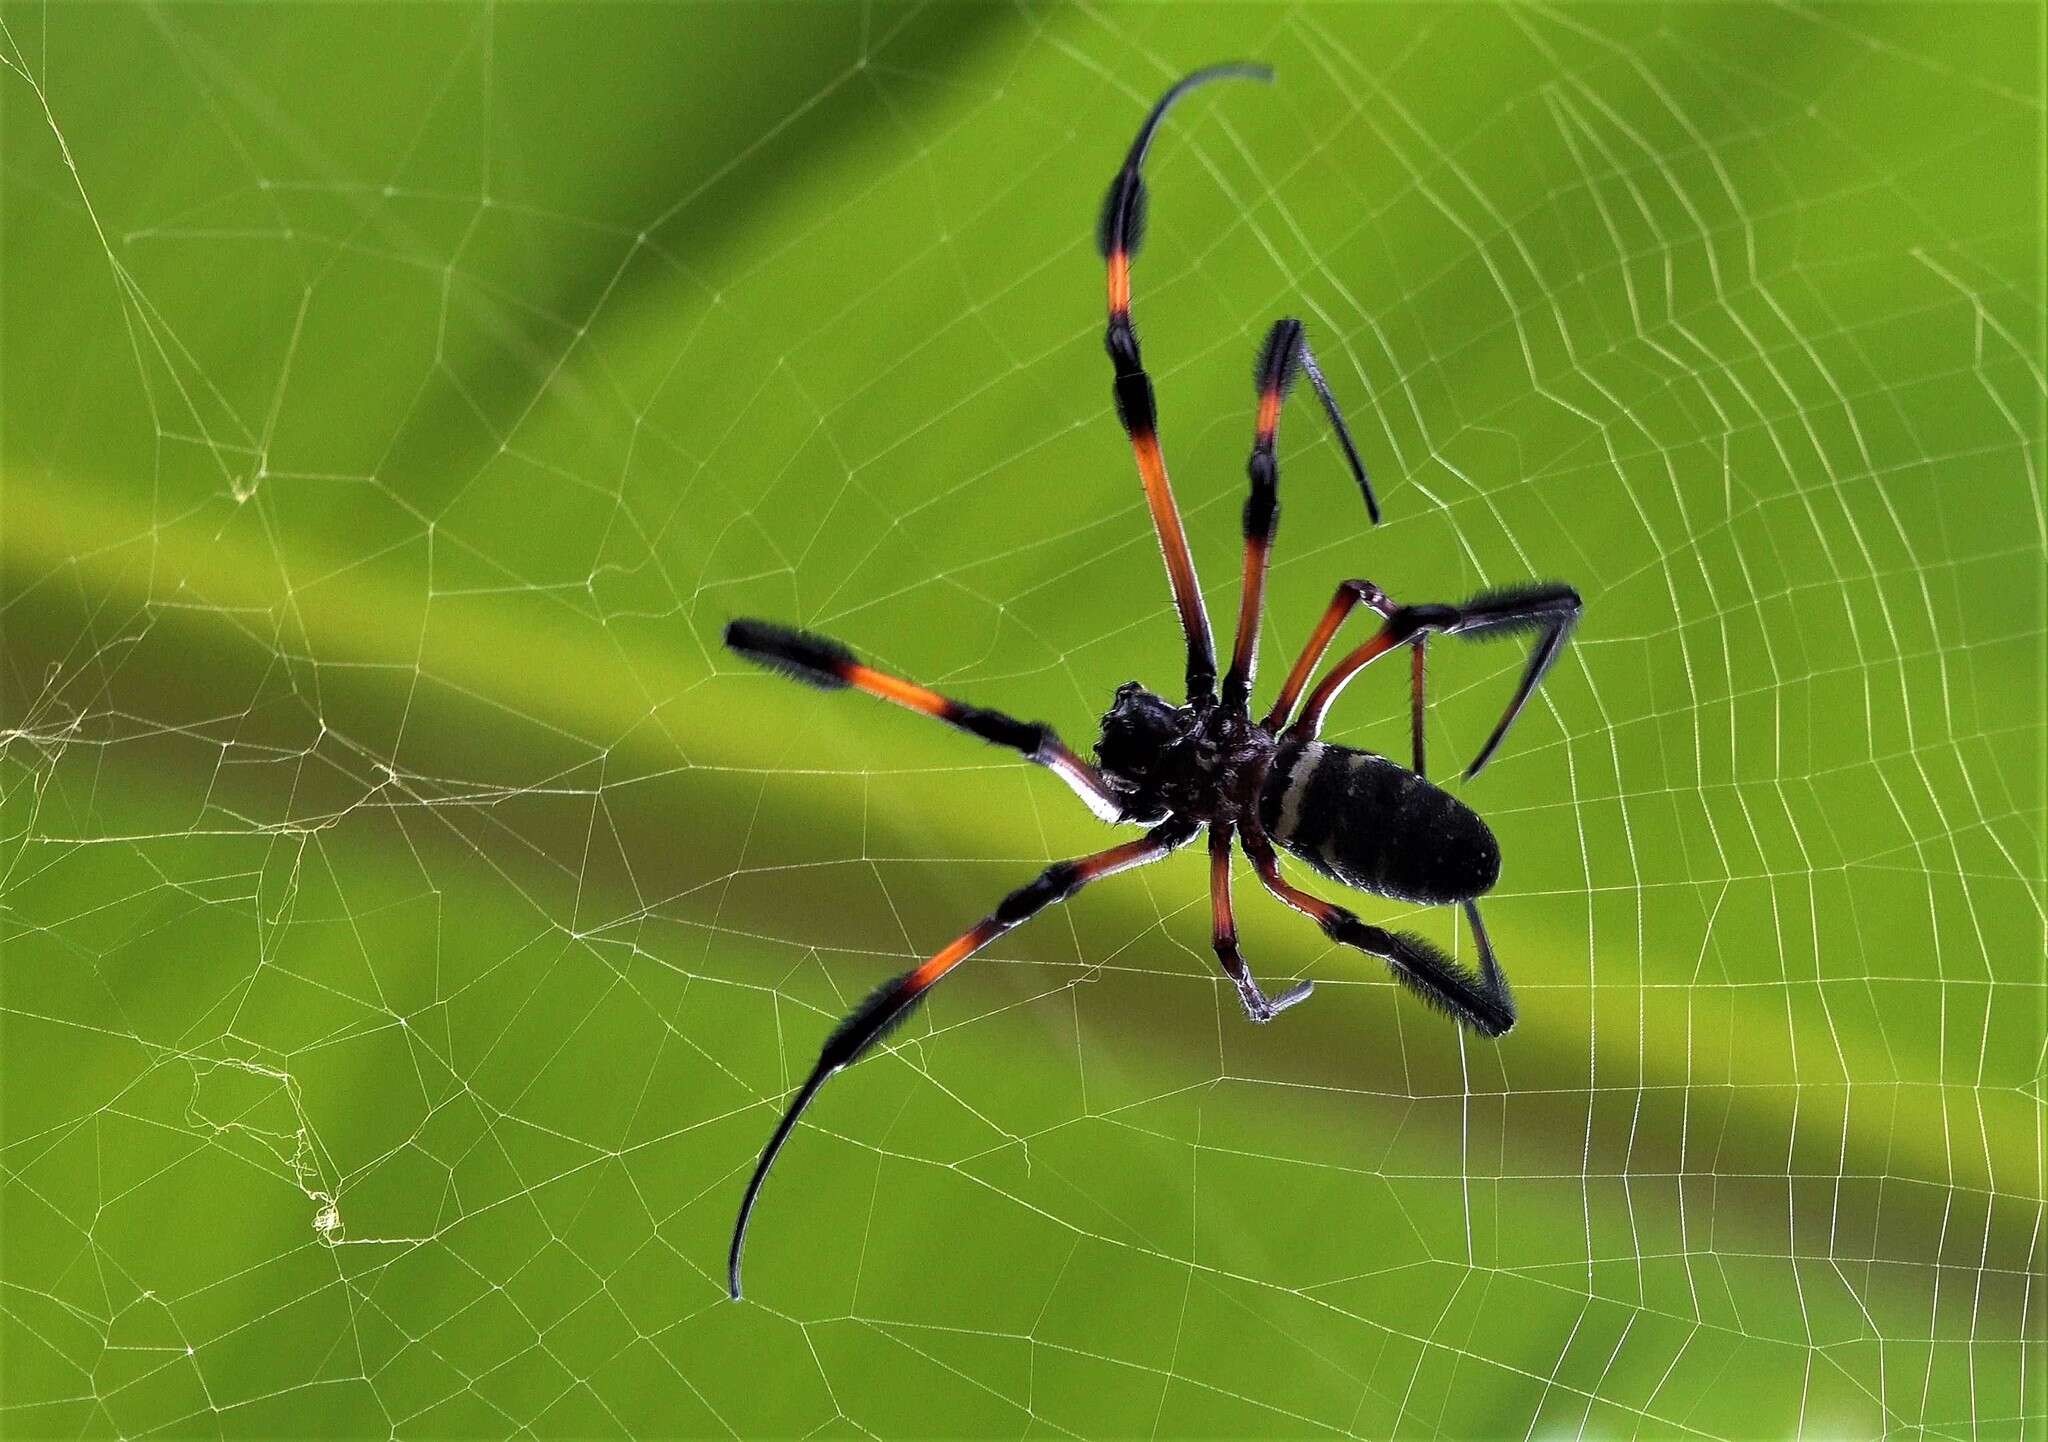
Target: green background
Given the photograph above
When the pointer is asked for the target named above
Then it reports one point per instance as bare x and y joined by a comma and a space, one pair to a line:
413, 922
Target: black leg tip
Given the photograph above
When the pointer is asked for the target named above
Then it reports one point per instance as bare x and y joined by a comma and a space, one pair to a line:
1495, 1020
814, 660
1279, 358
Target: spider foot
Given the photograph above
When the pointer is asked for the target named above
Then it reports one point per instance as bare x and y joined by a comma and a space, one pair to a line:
1260, 1009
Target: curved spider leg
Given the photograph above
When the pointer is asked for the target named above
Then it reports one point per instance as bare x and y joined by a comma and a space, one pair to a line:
889, 1004
1284, 354
1119, 233
1346, 599
1402, 624
1348, 596
1257, 1005
1351, 456
822, 662
1482, 1002
1548, 608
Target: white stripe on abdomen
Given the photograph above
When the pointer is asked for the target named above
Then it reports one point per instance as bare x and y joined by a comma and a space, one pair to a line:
1305, 762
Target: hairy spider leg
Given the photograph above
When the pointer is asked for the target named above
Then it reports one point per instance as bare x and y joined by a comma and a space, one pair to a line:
827, 664
1548, 608
1284, 354
1257, 1005
1482, 1002
1119, 234
889, 1004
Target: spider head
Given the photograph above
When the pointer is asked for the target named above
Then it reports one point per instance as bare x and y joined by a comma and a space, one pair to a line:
1139, 732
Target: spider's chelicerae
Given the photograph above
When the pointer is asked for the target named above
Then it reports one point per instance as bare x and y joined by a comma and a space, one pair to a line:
1358, 818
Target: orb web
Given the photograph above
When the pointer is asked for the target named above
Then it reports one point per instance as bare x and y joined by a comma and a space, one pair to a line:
413, 920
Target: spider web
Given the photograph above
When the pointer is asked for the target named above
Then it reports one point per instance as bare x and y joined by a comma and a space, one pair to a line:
413, 921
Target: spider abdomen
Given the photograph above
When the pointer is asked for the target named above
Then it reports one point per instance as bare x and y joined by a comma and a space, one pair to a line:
1376, 826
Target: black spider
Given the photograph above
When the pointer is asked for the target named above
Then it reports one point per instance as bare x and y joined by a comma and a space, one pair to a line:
1358, 818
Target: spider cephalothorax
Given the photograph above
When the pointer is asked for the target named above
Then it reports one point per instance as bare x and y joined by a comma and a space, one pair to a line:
1146, 742
1205, 763
1356, 817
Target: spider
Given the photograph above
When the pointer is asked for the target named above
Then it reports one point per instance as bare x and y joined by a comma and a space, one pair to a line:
1358, 818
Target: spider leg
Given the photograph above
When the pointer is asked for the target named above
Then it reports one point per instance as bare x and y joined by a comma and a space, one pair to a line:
1286, 351
1119, 234
1547, 607
822, 662
1482, 1002
1256, 1004
1346, 598
1418, 685
890, 1003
